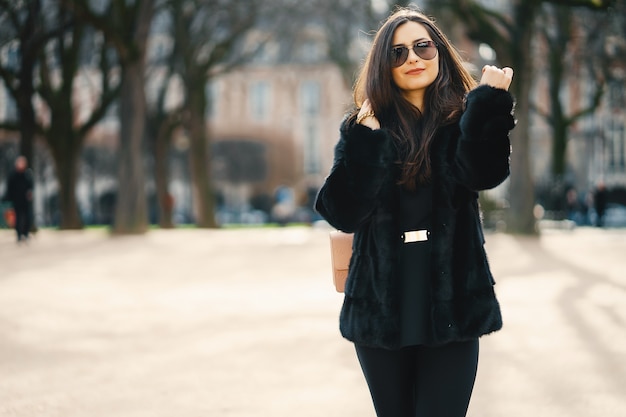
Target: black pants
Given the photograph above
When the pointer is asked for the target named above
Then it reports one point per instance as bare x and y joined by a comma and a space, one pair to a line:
419, 381
22, 222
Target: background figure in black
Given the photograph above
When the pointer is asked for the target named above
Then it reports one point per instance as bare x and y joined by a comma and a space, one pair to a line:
599, 202
20, 193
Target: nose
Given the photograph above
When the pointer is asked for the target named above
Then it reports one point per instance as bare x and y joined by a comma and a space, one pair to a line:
413, 57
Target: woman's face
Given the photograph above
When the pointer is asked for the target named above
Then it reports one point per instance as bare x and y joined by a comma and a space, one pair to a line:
416, 73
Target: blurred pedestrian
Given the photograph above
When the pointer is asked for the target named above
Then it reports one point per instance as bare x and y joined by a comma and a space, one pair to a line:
19, 192
424, 138
284, 205
599, 203
573, 206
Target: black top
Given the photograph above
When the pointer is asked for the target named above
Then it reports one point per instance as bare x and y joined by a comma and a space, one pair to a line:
19, 184
415, 209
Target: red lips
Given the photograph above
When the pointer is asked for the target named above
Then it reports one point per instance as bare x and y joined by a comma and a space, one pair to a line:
415, 71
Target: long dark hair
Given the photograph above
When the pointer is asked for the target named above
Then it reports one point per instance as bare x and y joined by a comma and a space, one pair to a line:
413, 130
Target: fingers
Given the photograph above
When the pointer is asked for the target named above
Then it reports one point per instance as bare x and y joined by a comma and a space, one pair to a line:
366, 116
493, 68
367, 106
496, 77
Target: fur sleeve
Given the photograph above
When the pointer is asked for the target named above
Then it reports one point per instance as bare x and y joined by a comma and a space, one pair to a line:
484, 147
361, 172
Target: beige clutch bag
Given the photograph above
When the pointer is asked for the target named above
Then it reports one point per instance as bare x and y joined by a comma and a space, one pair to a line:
340, 254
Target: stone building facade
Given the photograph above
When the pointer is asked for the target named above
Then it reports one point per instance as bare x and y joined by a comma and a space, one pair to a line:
292, 111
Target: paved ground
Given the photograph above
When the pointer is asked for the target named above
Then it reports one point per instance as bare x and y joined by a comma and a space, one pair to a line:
244, 323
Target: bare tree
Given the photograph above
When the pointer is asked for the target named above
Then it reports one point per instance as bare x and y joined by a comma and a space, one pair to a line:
214, 36
65, 56
558, 35
125, 25
161, 123
571, 36
23, 24
511, 37
346, 24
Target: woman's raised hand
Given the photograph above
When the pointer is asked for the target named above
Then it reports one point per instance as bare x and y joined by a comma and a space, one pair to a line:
366, 116
497, 77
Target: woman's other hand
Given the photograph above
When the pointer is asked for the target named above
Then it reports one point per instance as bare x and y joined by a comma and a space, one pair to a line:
366, 116
496, 77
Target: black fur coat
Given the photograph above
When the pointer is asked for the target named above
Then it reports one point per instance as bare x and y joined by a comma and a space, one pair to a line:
358, 196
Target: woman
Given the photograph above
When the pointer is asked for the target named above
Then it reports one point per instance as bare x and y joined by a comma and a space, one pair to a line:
425, 138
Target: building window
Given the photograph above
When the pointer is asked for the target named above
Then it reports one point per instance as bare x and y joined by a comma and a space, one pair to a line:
8, 106
267, 53
310, 105
11, 55
260, 100
310, 98
211, 94
312, 163
617, 151
621, 151
310, 51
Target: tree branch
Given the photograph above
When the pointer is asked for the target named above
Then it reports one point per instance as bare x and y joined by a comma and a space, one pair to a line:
108, 94
9, 79
116, 38
590, 4
10, 126
595, 102
45, 87
541, 112
9, 8
486, 25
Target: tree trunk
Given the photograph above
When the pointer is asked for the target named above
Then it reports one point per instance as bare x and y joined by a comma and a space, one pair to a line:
27, 122
27, 125
199, 158
557, 45
131, 206
559, 149
513, 50
24, 101
66, 164
520, 217
65, 146
161, 176
26, 90
131, 215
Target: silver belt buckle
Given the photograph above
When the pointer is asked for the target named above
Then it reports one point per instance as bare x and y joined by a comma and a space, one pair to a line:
415, 236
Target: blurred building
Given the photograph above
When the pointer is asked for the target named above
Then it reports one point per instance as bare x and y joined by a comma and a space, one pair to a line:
292, 110
273, 124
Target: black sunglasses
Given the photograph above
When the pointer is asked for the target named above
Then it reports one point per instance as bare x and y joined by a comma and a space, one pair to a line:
424, 49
